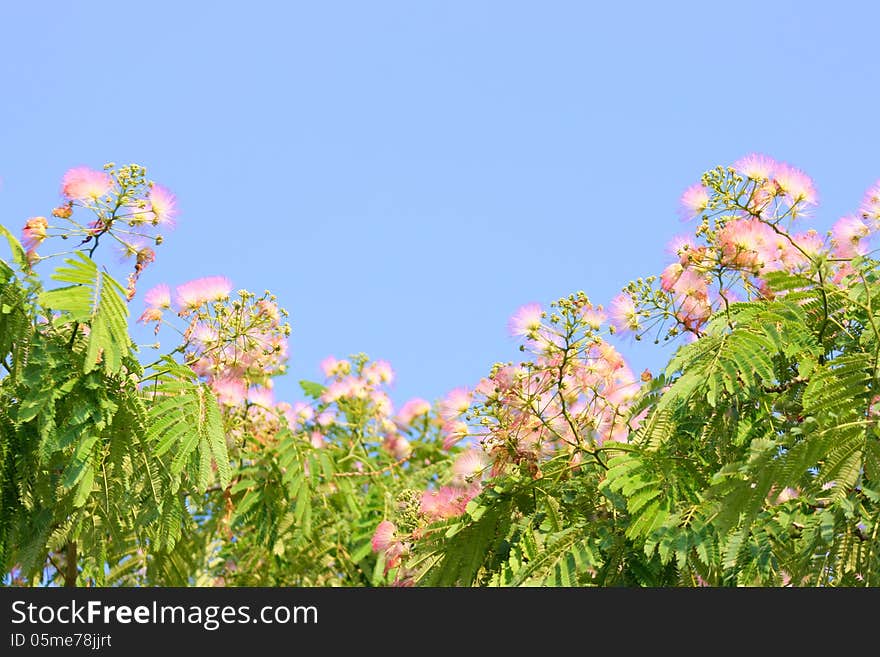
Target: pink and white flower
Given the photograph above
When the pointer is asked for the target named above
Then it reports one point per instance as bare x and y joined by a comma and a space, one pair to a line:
193, 294
85, 184
526, 320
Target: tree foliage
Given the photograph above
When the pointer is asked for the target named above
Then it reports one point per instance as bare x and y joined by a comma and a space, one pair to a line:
753, 459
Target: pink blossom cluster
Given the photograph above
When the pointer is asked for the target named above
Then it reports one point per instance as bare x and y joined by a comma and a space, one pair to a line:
240, 347
747, 212
386, 540
188, 297
124, 206
450, 500
356, 394
574, 394
236, 343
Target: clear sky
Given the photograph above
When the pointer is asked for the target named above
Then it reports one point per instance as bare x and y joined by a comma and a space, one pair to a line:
404, 175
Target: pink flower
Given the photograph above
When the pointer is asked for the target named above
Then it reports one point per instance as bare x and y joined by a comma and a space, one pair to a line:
786, 494
670, 276
378, 371
347, 387
796, 185
694, 201
846, 235
413, 409
453, 432
398, 446
381, 403
163, 205
84, 184
871, 203
331, 367
756, 166
683, 248
317, 439
448, 502
624, 315
268, 309
158, 296
747, 244
593, 318
384, 536
229, 392
193, 294
34, 232
691, 284
297, 414
261, 396
150, 315
526, 321
325, 419
693, 312
811, 242
455, 404
468, 464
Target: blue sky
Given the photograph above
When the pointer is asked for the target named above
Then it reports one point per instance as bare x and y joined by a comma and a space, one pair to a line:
405, 175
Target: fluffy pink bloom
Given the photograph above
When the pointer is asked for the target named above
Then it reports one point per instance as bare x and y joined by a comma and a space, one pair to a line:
448, 502
870, 207
398, 446
693, 201
593, 318
746, 244
682, 247
624, 315
796, 185
785, 495
847, 234
338, 390
268, 309
811, 242
150, 315
693, 312
670, 275
193, 294
34, 232
158, 296
756, 166
84, 184
468, 464
378, 371
384, 536
331, 366
610, 356
691, 284
453, 432
455, 404
526, 320
297, 414
413, 409
163, 205
261, 396
325, 419
230, 392
204, 334
381, 403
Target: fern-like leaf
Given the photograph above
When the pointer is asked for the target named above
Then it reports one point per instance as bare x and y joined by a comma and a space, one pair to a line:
93, 298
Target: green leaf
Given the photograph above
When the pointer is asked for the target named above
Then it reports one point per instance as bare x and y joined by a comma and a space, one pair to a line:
18, 253
184, 418
96, 299
312, 389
